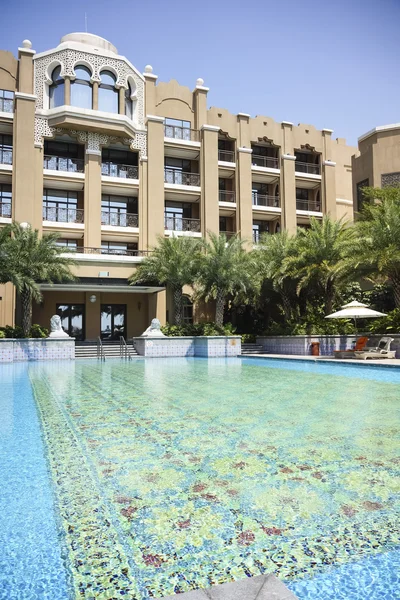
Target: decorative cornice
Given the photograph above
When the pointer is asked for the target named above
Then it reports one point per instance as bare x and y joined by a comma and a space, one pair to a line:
155, 119
328, 131
245, 150
150, 76
24, 96
329, 163
143, 159
27, 51
287, 124
288, 157
93, 152
243, 115
344, 201
201, 88
392, 127
210, 128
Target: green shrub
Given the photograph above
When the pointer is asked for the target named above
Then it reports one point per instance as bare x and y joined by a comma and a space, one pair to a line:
195, 329
2, 334
38, 332
389, 324
248, 338
12, 332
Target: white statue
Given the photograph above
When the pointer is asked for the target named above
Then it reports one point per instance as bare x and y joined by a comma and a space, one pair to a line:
56, 331
154, 330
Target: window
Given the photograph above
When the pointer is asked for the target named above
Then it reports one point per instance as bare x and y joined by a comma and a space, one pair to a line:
175, 128
5, 200
175, 169
108, 94
187, 310
176, 215
56, 89
119, 163
119, 211
360, 196
63, 149
307, 157
6, 101
5, 149
390, 180
118, 248
223, 224
129, 102
72, 245
60, 206
81, 88
301, 194
259, 227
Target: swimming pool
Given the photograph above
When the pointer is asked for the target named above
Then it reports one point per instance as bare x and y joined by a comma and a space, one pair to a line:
169, 474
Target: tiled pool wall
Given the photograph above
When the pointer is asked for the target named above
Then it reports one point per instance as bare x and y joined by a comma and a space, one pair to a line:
301, 344
204, 346
19, 350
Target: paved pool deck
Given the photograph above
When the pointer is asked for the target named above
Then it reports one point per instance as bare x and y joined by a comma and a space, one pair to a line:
382, 362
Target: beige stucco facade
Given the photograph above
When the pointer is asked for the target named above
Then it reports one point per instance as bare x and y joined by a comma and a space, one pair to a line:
377, 162
111, 159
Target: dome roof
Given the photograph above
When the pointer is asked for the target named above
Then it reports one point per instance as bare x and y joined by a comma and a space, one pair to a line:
89, 39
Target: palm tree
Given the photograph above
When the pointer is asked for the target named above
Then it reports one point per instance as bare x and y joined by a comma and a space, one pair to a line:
226, 270
319, 258
174, 262
33, 260
377, 255
273, 252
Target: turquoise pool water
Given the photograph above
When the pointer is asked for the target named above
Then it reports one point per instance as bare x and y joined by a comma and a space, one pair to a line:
162, 475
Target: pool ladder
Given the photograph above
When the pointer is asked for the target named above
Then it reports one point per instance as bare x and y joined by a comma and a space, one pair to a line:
100, 350
124, 350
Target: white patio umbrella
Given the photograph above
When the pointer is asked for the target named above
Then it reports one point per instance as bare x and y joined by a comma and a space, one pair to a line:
355, 310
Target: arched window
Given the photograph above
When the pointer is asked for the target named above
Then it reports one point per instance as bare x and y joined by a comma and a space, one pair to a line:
129, 102
56, 88
108, 94
187, 309
81, 88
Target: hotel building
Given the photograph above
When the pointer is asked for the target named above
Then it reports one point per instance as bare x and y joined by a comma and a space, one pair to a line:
111, 159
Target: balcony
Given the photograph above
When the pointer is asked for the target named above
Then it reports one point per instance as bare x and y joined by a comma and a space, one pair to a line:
59, 163
6, 155
176, 177
228, 234
107, 251
266, 162
185, 134
265, 200
121, 171
309, 168
226, 196
226, 156
116, 219
5, 210
308, 205
181, 224
62, 215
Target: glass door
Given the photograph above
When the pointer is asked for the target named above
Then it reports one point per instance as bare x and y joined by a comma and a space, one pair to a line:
72, 319
113, 321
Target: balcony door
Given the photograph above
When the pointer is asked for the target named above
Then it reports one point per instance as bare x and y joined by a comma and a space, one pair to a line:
113, 321
72, 319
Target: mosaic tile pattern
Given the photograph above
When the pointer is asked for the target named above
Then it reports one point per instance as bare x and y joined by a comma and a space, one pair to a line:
204, 346
23, 350
181, 474
301, 344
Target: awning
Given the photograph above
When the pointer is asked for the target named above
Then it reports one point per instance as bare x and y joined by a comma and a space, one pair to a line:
100, 284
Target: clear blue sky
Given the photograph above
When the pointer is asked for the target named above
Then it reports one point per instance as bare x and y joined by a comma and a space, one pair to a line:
330, 63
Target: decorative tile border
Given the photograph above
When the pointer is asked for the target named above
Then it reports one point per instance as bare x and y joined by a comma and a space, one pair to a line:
204, 346
301, 344
18, 350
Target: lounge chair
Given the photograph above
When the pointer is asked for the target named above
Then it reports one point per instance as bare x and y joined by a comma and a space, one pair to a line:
360, 345
382, 350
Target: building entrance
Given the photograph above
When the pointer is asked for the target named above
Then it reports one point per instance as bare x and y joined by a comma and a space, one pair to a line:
113, 321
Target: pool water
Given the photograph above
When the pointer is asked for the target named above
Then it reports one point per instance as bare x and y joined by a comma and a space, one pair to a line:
165, 475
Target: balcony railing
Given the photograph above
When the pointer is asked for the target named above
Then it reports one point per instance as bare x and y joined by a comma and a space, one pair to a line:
309, 205
226, 156
122, 171
181, 133
267, 162
181, 224
310, 168
6, 105
257, 236
181, 177
5, 210
59, 163
108, 251
228, 234
265, 200
62, 215
226, 196
119, 219
6, 155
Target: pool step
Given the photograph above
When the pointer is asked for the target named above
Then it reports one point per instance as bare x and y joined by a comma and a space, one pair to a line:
252, 349
111, 350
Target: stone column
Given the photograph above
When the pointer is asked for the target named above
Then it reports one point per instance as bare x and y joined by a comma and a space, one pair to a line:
328, 187
92, 199
155, 179
209, 208
95, 102
288, 182
150, 90
121, 101
200, 104
244, 206
67, 90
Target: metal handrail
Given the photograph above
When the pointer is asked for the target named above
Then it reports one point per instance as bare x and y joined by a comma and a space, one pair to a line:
181, 133
5, 209
100, 350
265, 200
122, 171
124, 350
60, 163
310, 168
181, 224
309, 205
226, 196
119, 219
60, 214
105, 251
267, 162
181, 177
226, 156
6, 155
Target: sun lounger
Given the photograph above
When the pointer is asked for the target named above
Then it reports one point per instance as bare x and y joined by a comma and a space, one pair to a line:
360, 345
382, 350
